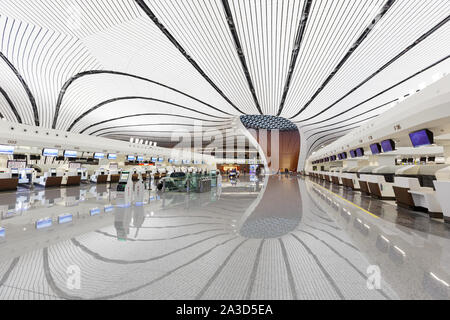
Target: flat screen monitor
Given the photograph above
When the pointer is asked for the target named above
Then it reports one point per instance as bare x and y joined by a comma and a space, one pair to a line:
359, 152
50, 152
70, 154
6, 149
388, 145
124, 176
339, 156
327, 159
421, 138
19, 164
375, 148
140, 158
353, 153
112, 156
344, 155
170, 160
431, 159
154, 159
99, 155
131, 158
160, 159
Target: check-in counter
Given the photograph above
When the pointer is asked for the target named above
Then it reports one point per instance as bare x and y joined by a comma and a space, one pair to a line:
113, 176
336, 176
99, 176
442, 186
363, 178
71, 178
418, 181
7, 182
51, 178
381, 182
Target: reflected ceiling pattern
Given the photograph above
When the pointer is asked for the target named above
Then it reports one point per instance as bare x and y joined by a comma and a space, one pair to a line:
149, 68
197, 246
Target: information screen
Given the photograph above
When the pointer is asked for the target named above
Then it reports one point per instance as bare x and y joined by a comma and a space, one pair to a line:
70, 154
375, 148
99, 155
359, 152
154, 159
140, 158
50, 152
131, 158
160, 159
6, 149
112, 156
388, 145
421, 138
170, 160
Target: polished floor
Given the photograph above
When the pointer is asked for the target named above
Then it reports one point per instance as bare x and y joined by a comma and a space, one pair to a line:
276, 237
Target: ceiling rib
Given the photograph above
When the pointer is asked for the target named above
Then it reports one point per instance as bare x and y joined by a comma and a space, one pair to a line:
295, 52
11, 105
26, 88
361, 38
171, 38
240, 52
404, 51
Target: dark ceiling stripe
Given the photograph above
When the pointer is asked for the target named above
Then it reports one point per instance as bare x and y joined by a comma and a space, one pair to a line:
240, 52
153, 124
318, 139
26, 88
358, 115
348, 124
353, 48
95, 72
328, 140
149, 114
132, 132
103, 103
404, 51
11, 105
166, 32
378, 94
295, 51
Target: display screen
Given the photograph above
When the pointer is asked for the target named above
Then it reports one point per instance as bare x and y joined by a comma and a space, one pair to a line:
154, 159
99, 155
112, 156
70, 154
352, 153
108, 208
2, 232
339, 156
44, 223
131, 158
388, 145
6, 149
359, 152
344, 155
170, 160
160, 159
50, 152
327, 159
94, 211
18, 164
421, 138
140, 158
52, 170
124, 176
375, 148
65, 218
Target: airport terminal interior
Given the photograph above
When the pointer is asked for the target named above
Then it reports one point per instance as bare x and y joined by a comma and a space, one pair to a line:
225, 149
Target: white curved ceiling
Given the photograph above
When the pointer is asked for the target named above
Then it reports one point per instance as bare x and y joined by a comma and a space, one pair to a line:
152, 68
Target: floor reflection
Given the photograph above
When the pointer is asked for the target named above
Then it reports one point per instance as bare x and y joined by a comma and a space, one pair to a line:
277, 237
